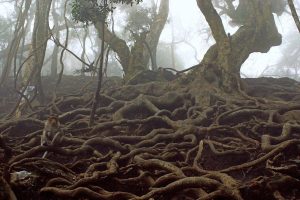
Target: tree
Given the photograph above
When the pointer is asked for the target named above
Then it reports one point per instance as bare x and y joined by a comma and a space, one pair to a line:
294, 14
258, 33
133, 59
40, 37
5, 32
55, 52
13, 46
160, 140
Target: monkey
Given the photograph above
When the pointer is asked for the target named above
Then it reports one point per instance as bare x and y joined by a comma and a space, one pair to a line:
51, 133
52, 126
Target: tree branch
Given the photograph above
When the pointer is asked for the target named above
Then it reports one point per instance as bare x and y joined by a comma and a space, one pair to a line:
294, 14
213, 19
156, 28
117, 45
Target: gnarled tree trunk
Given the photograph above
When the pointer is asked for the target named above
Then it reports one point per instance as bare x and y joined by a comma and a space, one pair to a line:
222, 62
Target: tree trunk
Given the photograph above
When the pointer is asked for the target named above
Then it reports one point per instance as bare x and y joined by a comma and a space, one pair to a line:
294, 14
82, 57
135, 60
40, 37
14, 44
156, 29
222, 62
172, 47
100, 75
117, 44
54, 58
55, 51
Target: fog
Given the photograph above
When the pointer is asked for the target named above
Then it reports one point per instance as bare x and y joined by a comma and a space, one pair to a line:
149, 102
188, 19
191, 35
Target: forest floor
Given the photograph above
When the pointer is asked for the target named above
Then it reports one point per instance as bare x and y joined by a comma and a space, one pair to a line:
152, 142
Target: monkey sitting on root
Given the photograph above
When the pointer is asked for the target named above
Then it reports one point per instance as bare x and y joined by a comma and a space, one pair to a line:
52, 132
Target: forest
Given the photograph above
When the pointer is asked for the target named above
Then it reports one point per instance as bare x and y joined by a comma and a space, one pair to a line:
119, 100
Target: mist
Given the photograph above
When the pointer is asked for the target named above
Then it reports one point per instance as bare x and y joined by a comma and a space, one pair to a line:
149, 99
191, 35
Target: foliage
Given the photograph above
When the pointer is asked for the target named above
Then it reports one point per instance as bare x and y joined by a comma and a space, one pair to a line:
139, 19
128, 2
86, 11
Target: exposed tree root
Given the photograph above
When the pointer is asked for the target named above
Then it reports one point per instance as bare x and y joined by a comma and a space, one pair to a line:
150, 143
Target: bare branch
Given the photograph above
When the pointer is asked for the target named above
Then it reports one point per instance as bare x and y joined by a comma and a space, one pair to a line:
294, 14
